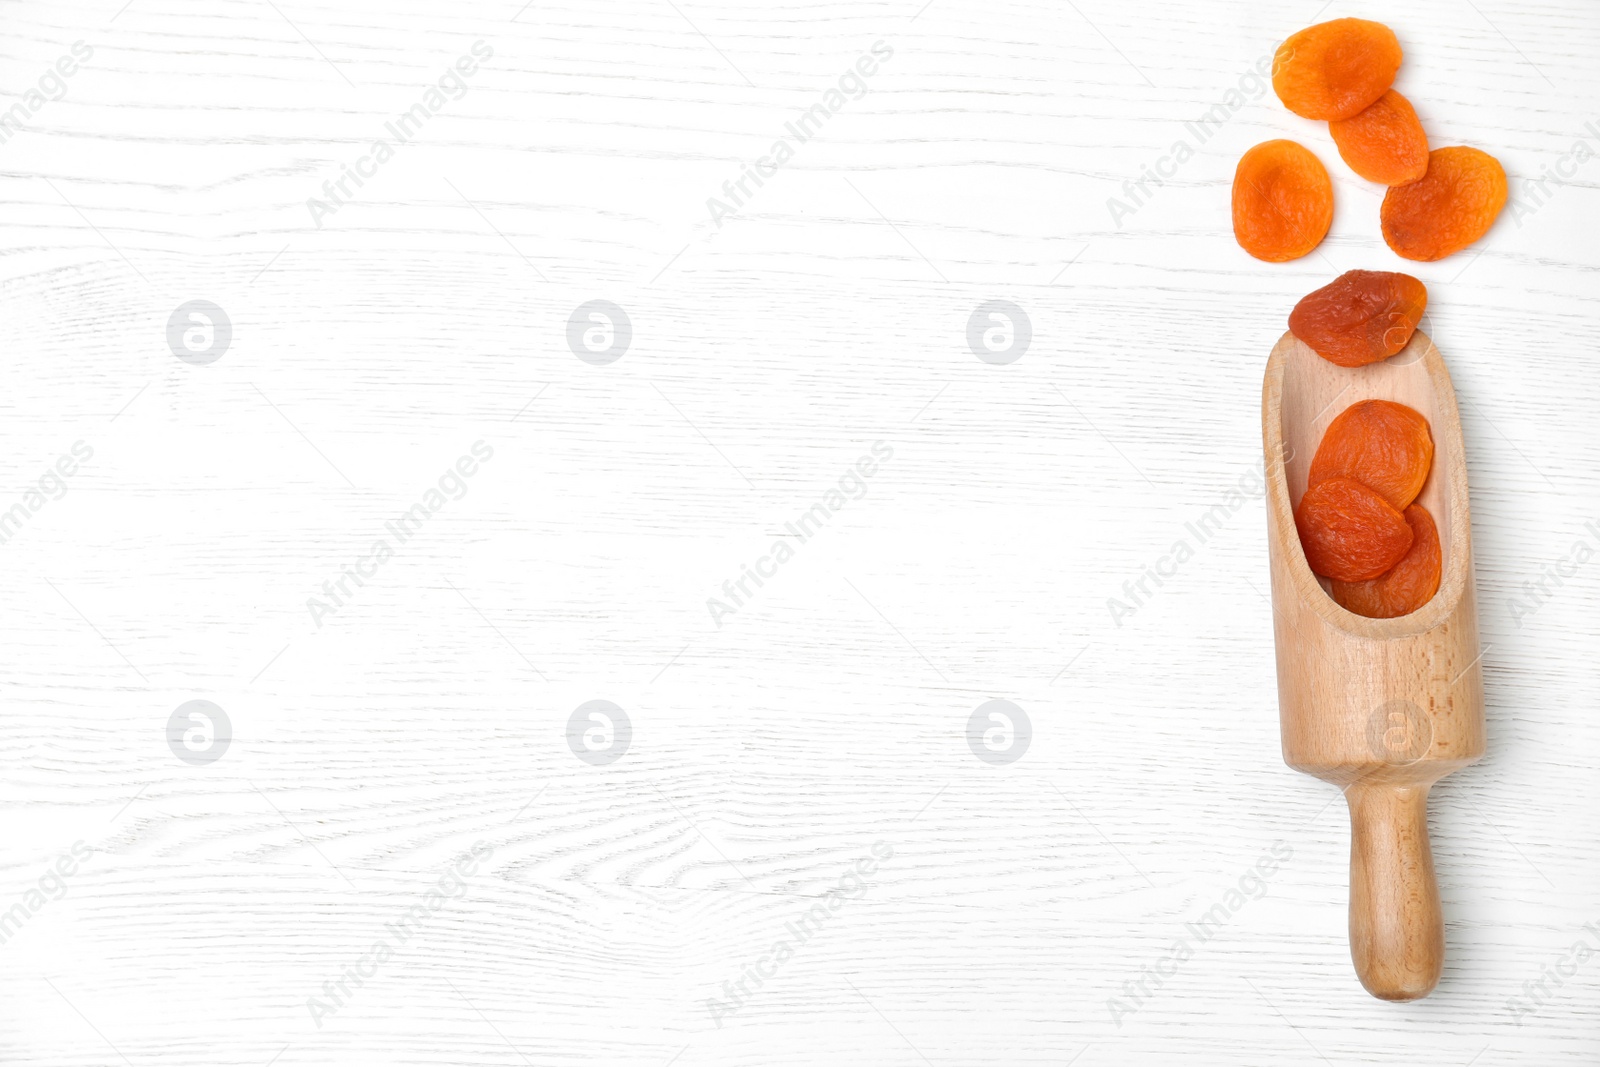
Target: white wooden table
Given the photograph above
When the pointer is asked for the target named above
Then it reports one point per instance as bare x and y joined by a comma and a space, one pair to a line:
798, 771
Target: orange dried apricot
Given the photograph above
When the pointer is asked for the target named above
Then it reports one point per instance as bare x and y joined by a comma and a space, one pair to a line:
1452, 205
1383, 143
1282, 201
1360, 317
1409, 584
1335, 70
1349, 532
1383, 445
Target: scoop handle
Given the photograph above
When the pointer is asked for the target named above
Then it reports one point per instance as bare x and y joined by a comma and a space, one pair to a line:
1396, 926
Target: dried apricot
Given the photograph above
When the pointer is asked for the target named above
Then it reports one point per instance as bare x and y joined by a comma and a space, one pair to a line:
1383, 143
1360, 317
1349, 532
1407, 586
1383, 445
1452, 206
1335, 70
1282, 201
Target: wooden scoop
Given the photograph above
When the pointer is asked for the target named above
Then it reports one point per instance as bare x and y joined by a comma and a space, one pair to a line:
1382, 708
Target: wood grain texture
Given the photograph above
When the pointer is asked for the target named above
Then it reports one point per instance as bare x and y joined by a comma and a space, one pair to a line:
1147, 881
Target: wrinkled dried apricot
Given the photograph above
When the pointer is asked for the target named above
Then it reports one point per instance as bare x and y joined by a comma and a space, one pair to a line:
1383, 143
1282, 201
1335, 70
1349, 532
1360, 317
1383, 445
1409, 584
1452, 205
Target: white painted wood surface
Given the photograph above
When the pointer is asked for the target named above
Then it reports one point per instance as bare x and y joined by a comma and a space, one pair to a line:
428, 714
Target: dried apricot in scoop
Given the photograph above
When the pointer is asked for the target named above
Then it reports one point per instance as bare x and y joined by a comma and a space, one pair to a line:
1383, 445
1385, 142
1282, 201
1335, 70
1349, 532
1452, 206
1360, 317
1409, 584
